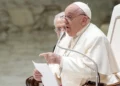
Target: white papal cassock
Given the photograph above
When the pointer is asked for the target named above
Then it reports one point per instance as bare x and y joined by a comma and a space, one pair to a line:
75, 69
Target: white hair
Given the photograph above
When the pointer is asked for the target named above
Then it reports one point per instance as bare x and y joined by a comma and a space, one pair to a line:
59, 15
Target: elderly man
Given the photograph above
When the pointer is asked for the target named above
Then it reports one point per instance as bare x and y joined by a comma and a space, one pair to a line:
57, 21
80, 35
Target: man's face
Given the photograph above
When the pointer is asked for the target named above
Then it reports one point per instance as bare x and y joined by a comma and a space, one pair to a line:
73, 19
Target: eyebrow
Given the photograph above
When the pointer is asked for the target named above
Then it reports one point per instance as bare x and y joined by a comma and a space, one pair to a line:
70, 13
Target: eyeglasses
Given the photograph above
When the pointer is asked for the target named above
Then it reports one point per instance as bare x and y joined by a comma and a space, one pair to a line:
70, 18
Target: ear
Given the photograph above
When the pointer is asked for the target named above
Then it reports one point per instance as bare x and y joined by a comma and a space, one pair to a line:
84, 20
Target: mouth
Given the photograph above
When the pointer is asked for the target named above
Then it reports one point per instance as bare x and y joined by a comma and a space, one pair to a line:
67, 28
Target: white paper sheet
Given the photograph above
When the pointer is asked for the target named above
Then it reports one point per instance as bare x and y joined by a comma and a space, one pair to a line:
48, 78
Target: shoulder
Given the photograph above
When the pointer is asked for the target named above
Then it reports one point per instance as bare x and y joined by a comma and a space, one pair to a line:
93, 33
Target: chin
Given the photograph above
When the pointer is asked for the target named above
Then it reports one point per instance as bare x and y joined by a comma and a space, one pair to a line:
70, 34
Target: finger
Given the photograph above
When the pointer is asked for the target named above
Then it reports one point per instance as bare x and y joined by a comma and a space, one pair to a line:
36, 71
38, 75
43, 54
37, 78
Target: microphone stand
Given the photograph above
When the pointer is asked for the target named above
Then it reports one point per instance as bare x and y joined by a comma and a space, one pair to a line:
96, 68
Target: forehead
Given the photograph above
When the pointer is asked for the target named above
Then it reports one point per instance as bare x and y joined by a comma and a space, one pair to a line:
71, 9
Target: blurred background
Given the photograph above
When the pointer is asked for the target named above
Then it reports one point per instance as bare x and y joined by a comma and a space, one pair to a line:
26, 30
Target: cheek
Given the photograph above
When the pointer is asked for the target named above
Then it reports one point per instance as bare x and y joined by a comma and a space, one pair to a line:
73, 30
74, 24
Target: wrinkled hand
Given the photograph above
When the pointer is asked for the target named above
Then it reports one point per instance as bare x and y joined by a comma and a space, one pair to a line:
51, 57
37, 75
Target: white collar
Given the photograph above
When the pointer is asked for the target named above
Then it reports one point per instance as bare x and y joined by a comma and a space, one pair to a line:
81, 31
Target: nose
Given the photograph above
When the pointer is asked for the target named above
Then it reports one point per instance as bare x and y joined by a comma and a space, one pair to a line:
66, 20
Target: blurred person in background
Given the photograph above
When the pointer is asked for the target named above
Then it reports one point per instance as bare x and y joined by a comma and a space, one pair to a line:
57, 21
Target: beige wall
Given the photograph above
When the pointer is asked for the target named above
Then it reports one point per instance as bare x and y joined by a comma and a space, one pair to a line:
29, 15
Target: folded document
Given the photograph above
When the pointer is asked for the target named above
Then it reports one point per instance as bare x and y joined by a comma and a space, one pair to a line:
48, 78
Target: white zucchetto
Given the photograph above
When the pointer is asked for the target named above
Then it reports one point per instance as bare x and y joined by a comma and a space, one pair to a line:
84, 7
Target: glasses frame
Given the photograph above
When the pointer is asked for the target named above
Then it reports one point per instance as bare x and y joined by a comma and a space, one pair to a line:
71, 19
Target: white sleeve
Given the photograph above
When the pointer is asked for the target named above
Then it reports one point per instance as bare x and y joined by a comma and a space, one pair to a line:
75, 65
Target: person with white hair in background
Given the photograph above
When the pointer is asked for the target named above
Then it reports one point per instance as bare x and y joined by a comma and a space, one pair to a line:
57, 21
80, 35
